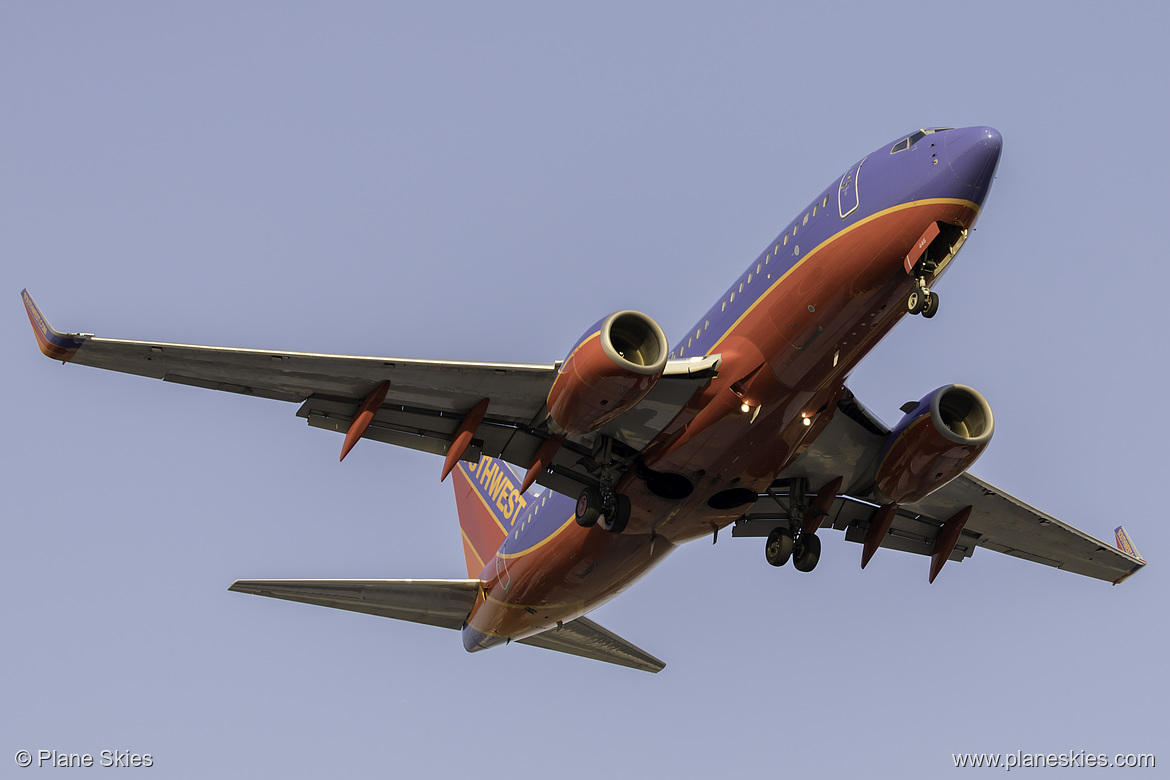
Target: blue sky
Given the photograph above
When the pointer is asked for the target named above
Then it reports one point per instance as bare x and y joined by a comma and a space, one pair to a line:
468, 182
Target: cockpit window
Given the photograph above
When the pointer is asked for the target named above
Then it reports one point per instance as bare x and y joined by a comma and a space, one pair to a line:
906, 143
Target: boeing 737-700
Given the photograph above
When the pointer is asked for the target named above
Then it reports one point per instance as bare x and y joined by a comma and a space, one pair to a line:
629, 447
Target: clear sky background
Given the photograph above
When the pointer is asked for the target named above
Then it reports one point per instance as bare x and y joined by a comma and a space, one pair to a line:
483, 181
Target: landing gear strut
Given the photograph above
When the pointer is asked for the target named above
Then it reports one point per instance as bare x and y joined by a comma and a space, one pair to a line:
613, 510
921, 300
790, 541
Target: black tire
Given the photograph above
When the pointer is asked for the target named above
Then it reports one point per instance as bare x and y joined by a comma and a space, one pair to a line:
619, 518
915, 301
588, 507
806, 552
930, 305
778, 548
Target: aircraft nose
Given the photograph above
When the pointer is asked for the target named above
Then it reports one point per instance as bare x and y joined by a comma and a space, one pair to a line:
973, 154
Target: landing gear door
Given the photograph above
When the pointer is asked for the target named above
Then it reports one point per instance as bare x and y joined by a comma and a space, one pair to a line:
848, 198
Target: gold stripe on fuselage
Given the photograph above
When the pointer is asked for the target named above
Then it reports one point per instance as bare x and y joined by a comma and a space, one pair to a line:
538, 545
821, 246
571, 521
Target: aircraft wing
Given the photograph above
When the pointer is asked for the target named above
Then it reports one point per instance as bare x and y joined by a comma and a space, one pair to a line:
446, 603
998, 521
1001, 522
423, 408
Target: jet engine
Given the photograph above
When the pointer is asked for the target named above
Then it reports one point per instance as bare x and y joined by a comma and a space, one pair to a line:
938, 439
610, 369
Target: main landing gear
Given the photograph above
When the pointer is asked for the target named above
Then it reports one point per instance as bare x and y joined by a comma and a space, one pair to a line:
612, 509
804, 549
921, 300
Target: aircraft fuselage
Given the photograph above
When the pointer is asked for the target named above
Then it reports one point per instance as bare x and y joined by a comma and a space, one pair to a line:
790, 330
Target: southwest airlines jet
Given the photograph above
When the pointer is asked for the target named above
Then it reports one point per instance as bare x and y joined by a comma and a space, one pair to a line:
638, 447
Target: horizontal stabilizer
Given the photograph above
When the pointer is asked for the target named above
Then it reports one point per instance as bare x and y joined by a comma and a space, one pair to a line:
443, 603
585, 638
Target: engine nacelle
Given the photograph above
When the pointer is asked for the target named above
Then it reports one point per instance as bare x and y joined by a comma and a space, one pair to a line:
935, 442
610, 369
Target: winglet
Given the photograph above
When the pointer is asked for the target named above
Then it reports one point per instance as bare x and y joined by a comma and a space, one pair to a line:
54, 344
1125, 545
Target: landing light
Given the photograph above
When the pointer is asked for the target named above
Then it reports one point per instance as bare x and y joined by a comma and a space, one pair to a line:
745, 408
806, 419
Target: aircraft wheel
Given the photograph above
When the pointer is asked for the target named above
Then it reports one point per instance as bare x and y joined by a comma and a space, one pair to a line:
915, 301
588, 507
930, 305
778, 548
616, 520
806, 552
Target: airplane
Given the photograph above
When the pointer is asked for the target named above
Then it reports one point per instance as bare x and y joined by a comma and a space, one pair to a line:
628, 447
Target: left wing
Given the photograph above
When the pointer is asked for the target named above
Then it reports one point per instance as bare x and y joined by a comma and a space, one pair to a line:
424, 406
517, 390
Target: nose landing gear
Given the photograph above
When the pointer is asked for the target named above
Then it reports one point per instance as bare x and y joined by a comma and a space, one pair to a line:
921, 300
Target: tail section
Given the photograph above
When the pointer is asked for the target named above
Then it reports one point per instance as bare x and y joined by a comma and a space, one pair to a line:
489, 504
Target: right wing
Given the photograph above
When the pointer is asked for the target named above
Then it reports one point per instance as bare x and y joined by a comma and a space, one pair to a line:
998, 521
1003, 523
426, 402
